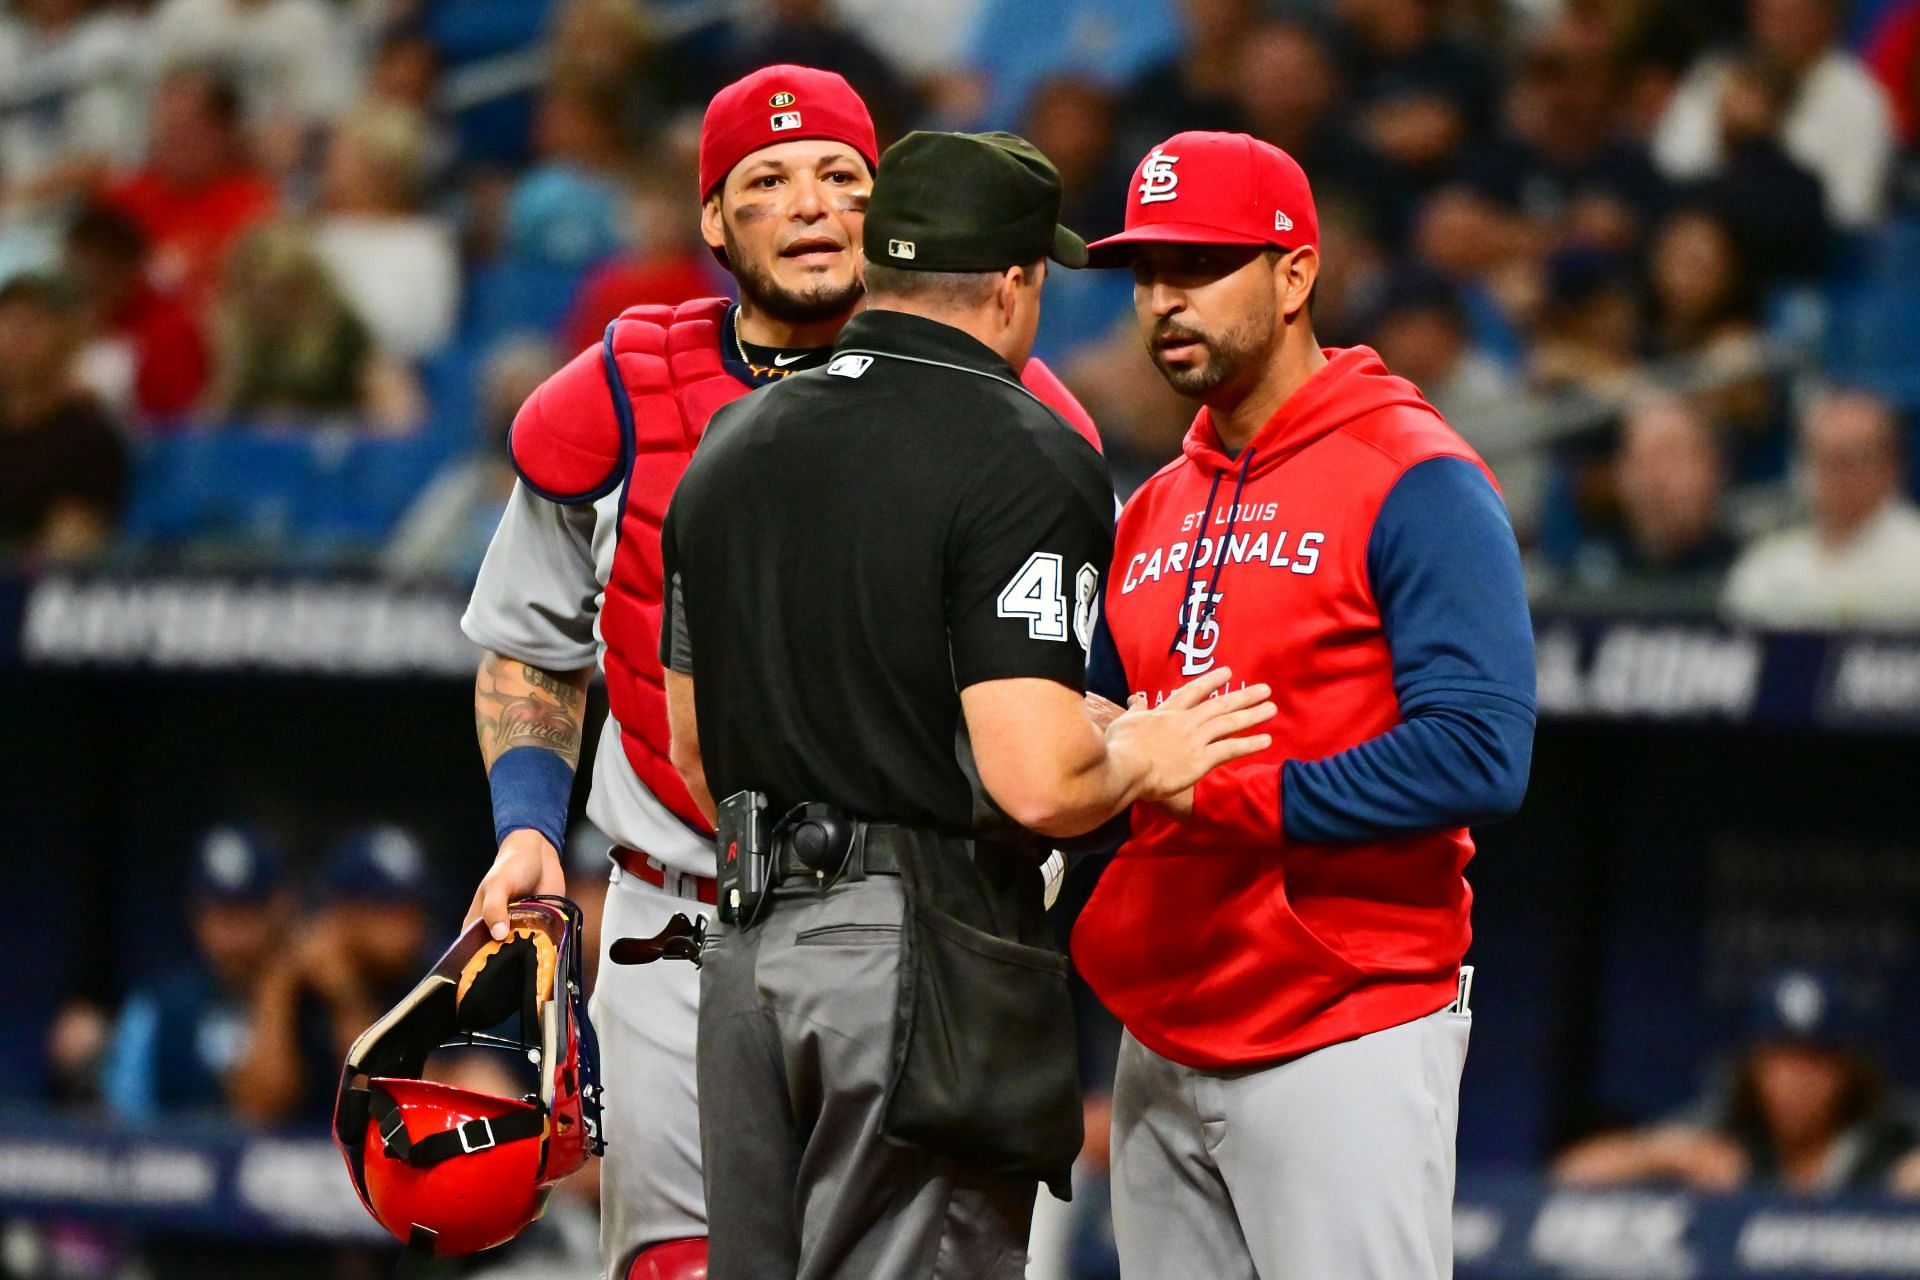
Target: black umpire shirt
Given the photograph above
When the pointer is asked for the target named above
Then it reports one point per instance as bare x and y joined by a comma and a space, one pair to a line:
852, 547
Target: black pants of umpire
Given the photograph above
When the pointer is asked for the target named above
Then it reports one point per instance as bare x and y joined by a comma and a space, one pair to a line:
796, 1040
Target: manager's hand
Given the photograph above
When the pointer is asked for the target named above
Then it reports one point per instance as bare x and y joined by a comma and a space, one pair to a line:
527, 865
1194, 731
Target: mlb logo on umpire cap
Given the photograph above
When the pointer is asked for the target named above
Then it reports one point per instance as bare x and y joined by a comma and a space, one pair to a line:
784, 121
900, 249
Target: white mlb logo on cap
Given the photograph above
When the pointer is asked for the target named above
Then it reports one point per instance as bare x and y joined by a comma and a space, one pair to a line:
785, 120
900, 248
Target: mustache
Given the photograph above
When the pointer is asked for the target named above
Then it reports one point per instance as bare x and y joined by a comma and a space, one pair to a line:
1168, 333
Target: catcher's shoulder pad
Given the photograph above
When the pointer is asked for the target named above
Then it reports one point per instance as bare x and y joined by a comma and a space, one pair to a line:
574, 439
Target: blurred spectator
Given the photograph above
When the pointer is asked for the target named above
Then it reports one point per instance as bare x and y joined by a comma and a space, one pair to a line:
182, 1034
198, 191
1773, 206
1197, 87
1891, 52
1563, 162
77, 1043
1858, 562
1347, 297
1588, 339
144, 338
404, 71
397, 267
1141, 419
63, 469
601, 42
365, 948
1422, 335
664, 261
1417, 93
1894, 55
923, 39
445, 533
1016, 44
1287, 92
1805, 1109
1706, 319
291, 59
565, 211
804, 32
288, 349
1840, 124
72, 97
1072, 124
1671, 542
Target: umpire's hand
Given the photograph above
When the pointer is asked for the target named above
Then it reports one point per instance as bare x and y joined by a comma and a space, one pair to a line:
1200, 726
526, 865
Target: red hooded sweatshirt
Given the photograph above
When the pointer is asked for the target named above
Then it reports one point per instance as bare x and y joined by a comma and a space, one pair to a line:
1217, 941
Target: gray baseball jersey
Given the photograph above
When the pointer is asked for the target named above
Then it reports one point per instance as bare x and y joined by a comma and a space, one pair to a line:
538, 600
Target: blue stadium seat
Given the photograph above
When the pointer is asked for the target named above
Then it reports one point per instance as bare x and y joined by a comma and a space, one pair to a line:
464, 30
301, 497
1873, 338
510, 297
231, 485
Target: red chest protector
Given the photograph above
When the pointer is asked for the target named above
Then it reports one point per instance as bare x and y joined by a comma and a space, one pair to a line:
629, 413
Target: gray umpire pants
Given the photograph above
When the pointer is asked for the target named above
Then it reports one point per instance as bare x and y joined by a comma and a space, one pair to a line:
1336, 1165
794, 1055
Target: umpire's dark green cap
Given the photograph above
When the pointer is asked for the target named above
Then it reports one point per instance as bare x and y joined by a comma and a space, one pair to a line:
967, 202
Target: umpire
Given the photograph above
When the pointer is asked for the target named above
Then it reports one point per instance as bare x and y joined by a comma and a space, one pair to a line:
880, 581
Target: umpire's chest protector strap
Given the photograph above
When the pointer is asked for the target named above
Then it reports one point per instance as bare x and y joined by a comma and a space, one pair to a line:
649, 387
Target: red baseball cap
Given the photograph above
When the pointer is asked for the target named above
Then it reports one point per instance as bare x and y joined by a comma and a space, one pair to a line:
782, 103
1214, 188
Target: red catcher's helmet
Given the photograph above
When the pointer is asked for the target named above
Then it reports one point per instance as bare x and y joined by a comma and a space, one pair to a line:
451, 1171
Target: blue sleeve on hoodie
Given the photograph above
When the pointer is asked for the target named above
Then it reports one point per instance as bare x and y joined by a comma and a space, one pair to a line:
1107, 677
1446, 576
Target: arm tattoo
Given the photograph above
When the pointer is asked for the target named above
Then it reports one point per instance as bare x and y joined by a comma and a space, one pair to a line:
518, 705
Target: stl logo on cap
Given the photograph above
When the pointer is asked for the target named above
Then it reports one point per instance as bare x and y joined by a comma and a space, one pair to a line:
781, 99
1157, 178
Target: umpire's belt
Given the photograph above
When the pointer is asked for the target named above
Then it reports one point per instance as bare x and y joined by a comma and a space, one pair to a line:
824, 842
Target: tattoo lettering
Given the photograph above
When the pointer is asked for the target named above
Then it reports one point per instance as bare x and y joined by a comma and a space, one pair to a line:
518, 705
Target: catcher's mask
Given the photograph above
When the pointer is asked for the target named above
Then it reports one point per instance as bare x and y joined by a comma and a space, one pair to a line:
452, 1171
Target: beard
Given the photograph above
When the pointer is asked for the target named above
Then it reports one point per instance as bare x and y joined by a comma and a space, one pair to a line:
1228, 354
822, 300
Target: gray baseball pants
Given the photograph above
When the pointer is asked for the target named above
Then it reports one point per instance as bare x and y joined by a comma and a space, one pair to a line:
795, 1051
1336, 1165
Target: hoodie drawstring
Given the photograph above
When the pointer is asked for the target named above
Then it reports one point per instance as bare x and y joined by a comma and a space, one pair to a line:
1193, 561
1233, 519
1185, 621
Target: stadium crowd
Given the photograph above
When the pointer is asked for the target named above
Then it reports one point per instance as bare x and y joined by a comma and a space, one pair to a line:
274, 273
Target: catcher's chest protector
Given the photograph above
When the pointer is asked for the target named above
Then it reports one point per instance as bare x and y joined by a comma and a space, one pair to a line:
628, 415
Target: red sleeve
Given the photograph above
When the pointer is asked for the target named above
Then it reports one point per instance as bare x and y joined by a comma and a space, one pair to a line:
1043, 383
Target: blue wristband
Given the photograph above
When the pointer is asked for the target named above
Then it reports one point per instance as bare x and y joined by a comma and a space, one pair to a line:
530, 789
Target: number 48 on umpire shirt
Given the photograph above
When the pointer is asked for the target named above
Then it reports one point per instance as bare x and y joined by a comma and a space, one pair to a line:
937, 526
